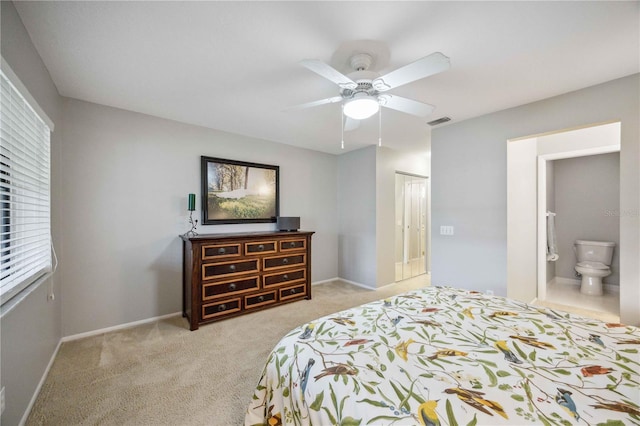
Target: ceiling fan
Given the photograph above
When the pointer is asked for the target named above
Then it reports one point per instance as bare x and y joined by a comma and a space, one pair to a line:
362, 92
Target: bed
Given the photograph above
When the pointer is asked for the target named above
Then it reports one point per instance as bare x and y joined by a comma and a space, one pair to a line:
445, 356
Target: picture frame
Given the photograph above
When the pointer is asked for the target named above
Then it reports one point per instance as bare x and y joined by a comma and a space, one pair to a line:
239, 192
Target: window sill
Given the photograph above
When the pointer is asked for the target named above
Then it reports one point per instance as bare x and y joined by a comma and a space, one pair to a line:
10, 304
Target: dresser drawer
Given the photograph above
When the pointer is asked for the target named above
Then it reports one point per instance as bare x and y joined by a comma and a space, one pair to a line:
217, 251
262, 299
215, 270
260, 247
283, 277
284, 261
227, 288
222, 307
291, 292
287, 245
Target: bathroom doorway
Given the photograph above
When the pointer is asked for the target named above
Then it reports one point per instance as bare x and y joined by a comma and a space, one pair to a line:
531, 198
411, 226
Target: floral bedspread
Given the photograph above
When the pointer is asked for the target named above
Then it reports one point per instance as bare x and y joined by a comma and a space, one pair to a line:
444, 356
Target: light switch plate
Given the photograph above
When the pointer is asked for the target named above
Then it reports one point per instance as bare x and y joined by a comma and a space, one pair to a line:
446, 230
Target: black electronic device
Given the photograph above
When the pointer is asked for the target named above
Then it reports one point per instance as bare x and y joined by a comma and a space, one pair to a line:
288, 223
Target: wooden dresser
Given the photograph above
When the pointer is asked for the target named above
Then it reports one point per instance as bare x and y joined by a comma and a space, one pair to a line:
226, 275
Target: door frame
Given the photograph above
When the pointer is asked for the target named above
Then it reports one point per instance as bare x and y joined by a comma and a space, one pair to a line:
427, 224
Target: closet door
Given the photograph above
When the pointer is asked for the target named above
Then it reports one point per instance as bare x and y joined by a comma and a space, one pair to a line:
411, 226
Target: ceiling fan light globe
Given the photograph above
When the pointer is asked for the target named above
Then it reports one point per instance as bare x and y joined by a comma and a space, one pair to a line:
361, 108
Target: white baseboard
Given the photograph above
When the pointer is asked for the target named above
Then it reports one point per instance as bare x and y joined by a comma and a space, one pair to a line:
357, 284
565, 281
117, 327
36, 392
326, 281
610, 288
344, 281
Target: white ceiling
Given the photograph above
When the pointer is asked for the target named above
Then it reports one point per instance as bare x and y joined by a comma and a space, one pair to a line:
234, 66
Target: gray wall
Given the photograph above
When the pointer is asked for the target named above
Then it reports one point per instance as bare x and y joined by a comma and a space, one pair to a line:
125, 180
469, 185
587, 199
356, 188
31, 331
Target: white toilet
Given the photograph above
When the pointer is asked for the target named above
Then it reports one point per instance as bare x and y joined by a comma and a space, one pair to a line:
594, 259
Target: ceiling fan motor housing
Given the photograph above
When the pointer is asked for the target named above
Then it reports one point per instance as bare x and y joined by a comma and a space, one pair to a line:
364, 86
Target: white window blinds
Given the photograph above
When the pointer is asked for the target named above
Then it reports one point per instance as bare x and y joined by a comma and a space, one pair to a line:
25, 236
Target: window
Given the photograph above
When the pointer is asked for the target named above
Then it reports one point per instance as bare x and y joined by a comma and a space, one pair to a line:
25, 234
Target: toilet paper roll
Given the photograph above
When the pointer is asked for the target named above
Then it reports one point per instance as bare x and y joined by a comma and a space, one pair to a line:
552, 257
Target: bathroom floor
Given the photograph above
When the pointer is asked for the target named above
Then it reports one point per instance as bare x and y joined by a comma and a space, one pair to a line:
567, 297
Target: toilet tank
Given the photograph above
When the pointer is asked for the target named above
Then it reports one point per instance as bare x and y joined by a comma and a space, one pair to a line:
595, 251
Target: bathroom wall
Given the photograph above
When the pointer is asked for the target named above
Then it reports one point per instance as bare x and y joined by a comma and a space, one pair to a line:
551, 206
587, 203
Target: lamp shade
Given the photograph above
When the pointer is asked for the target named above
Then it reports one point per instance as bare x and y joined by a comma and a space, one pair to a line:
192, 202
361, 107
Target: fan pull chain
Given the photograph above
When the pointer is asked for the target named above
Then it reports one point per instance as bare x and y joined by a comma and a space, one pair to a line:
380, 127
342, 123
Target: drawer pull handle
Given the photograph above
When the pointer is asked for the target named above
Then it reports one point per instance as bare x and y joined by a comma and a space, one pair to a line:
232, 267
222, 307
293, 291
232, 286
285, 261
285, 277
261, 247
221, 251
261, 299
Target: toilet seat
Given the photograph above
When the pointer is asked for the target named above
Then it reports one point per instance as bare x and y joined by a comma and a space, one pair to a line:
592, 265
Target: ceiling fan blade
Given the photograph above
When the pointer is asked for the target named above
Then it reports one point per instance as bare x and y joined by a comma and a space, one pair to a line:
329, 73
315, 103
429, 65
406, 105
350, 124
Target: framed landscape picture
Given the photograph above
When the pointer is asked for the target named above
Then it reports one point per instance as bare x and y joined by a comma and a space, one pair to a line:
238, 192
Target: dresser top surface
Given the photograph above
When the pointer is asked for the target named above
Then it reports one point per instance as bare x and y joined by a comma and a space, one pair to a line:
267, 234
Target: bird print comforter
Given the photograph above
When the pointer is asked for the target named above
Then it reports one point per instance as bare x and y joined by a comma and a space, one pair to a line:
444, 356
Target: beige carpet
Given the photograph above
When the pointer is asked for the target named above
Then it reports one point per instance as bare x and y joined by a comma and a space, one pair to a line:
163, 374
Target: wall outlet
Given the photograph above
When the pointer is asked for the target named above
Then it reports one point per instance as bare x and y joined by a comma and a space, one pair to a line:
489, 292
446, 230
1, 401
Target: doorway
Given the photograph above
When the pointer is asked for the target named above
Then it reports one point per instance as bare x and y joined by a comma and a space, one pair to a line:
411, 226
531, 199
